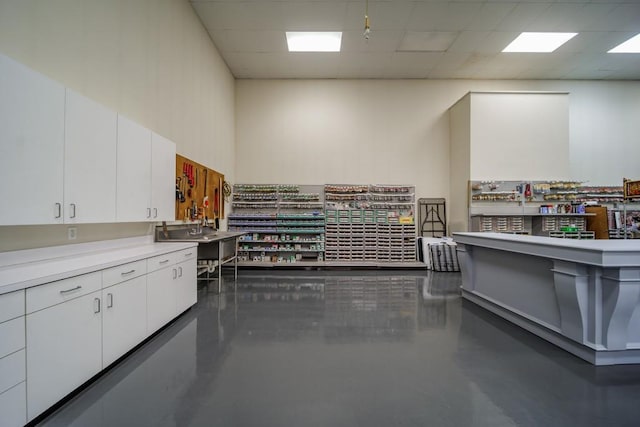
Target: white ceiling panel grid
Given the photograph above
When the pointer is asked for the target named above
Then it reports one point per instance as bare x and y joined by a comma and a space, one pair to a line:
468, 36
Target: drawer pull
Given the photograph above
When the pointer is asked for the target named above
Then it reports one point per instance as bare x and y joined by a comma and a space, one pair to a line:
128, 272
70, 290
164, 262
189, 254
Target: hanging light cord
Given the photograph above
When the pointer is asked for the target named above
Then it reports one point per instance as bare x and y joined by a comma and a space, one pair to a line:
367, 27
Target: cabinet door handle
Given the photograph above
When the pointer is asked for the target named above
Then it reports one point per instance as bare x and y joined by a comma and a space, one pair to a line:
148, 212
128, 272
73, 209
58, 210
175, 273
164, 262
70, 290
155, 212
96, 305
109, 300
179, 271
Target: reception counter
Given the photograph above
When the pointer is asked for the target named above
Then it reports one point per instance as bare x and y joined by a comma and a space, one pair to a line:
582, 295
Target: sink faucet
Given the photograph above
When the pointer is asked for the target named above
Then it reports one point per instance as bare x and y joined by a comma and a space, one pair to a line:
196, 231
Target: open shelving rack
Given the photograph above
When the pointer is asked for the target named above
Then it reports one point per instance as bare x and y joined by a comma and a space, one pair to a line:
285, 224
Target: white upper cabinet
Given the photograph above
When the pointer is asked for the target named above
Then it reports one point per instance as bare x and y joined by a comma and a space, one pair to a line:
67, 159
31, 146
133, 172
90, 161
145, 174
163, 178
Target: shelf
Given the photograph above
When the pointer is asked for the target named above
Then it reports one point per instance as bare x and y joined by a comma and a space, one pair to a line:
301, 242
279, 250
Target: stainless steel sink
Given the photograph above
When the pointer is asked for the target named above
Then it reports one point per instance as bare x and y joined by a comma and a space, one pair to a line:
190, 233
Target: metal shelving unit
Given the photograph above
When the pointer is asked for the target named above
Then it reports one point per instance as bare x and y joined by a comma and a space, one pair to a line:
284, 224
370, 223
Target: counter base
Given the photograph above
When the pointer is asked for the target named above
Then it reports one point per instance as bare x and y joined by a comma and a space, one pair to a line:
591, 355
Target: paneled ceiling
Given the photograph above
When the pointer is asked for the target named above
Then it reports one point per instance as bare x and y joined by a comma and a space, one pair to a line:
250, 35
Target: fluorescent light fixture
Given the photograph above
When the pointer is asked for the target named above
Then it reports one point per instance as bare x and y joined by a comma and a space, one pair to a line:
538, 42
304, 41
630, 46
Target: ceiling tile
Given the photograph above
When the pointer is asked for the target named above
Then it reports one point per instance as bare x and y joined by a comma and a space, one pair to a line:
313, 16
522, 16
250, 41
426, 41
489, 16
247, 15
442, 16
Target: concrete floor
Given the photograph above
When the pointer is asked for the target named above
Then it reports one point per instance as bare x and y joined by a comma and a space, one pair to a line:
351, 348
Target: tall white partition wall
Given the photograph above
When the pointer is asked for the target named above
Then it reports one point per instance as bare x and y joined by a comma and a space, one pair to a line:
506, 136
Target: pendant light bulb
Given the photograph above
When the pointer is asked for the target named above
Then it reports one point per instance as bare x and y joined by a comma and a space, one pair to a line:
367, 27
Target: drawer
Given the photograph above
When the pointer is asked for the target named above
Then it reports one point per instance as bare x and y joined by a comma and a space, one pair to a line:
124, 272
13, 406
11, 305
53, 293
191, 253
12, 370
161, 261
11, 336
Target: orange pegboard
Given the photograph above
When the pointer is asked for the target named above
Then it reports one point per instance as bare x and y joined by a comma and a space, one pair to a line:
194, 182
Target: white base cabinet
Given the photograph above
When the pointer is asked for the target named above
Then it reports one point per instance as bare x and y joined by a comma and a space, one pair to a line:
13, 406
186, 284
13, 397
76, 327
64, 347
124, 318
171, 286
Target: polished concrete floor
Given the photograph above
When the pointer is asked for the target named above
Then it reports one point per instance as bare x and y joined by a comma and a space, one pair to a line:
351, 348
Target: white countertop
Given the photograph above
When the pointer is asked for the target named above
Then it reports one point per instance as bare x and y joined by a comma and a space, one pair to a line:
606, 253
24, 269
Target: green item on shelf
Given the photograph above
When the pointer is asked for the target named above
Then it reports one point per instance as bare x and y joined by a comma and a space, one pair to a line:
569, 229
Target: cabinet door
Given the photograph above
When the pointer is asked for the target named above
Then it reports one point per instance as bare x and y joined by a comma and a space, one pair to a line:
64, 349
31, 146
186, 284
163, 178
161, 303
90, 161
133, 172
124, 318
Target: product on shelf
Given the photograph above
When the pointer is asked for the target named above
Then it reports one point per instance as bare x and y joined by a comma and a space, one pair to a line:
288, 229
372, 225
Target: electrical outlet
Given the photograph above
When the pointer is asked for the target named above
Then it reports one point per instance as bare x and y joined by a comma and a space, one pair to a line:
72, 233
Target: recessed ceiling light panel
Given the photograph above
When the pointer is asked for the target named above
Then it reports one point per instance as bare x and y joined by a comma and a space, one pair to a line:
304, 41
538, 42
630, 46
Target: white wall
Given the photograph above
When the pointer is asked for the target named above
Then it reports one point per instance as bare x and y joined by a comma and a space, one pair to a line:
359, 131
459, 163
519, 136
151, 60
